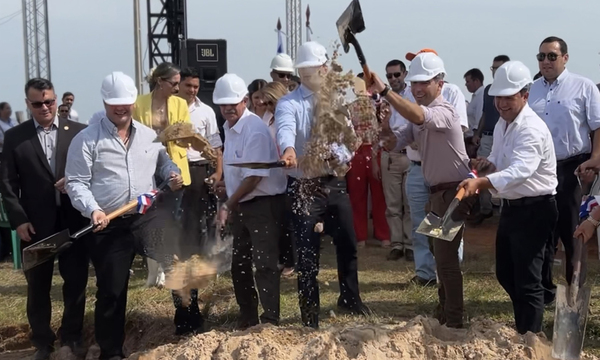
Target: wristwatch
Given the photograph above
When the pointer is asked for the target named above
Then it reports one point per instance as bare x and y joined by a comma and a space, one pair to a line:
594, 222
385, 91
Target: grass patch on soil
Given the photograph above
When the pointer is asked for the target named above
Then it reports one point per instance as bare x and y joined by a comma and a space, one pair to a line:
384, 287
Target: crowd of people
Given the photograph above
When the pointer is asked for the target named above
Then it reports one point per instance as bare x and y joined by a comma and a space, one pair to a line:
529, 143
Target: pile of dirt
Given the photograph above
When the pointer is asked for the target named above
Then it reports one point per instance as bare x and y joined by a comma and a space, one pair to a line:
420, 338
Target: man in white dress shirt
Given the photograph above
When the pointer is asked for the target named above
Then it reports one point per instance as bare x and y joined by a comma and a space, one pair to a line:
521, 170
257, 202
197, 199
570, 105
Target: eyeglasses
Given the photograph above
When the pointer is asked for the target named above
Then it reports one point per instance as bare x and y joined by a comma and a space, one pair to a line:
284, 75
172, 83
551, 56
390, 75
39, 104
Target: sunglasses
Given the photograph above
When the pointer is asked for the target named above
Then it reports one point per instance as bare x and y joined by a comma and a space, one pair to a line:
172, 83
39, 104
551, 56
390, 75
284, 75
64, 111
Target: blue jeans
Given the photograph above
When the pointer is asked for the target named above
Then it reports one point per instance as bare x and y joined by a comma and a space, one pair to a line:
418, 196
417, 192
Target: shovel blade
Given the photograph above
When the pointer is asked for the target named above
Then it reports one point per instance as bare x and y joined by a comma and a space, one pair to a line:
351, 22
432, 226
429, 225
45, 250
570, 323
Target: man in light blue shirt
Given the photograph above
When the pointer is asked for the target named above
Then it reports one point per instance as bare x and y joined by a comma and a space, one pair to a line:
328, 193
109, 164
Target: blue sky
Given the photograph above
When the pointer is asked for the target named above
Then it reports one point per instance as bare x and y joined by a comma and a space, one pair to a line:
91, 38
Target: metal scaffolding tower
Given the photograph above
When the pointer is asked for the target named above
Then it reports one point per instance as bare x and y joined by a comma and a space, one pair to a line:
293, 26
166, 28
36, 37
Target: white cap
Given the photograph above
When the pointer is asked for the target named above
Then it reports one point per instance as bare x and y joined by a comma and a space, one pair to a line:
424, 67
311, 54
510, 78
230, 89
282, 62
118, 89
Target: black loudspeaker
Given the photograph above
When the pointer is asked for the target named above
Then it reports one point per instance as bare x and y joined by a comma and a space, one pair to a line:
209, 59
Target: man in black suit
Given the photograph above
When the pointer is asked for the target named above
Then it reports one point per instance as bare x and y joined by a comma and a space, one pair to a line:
32, 185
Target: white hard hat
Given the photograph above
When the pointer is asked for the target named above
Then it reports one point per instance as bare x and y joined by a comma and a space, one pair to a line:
510, 78
230, 89
424, 67
118, 89
311, 54
282, 62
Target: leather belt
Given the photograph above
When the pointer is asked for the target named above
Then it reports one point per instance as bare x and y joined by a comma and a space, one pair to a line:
524, 201
487, 133
443, 187
573, 159
418, 163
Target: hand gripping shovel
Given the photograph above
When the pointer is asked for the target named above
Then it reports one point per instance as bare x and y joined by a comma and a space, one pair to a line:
444, 228
48, 248
350, 23
570, 318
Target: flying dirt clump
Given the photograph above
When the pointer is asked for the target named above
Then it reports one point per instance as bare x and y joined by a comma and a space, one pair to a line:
419, 339
184, 276
330, 124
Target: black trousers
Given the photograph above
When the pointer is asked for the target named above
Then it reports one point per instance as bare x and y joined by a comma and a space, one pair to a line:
257, 225
73, 266
112, 251
523, 234
568, 201
287, 238
199, 209
328, 202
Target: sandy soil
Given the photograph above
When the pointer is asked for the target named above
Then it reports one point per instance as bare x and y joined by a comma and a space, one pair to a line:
420, 338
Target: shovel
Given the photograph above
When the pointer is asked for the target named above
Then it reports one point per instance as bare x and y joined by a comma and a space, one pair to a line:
48, 248
444, 228
570, 318
350, 23
257, 165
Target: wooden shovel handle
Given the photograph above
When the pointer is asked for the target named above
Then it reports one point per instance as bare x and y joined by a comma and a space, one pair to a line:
367, 73
460, 194
123, 210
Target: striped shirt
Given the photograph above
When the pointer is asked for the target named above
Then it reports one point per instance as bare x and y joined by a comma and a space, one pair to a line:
103, 174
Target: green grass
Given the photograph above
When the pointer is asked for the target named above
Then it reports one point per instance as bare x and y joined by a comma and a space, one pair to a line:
384, 287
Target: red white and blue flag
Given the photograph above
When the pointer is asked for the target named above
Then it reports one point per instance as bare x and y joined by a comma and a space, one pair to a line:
145, 201
587, 205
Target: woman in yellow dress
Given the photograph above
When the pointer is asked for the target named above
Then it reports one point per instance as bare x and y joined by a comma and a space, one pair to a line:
160, 108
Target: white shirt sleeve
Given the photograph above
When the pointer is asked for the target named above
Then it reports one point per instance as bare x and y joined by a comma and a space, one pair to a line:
457, 99
592, 107
212, 129
524, 161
